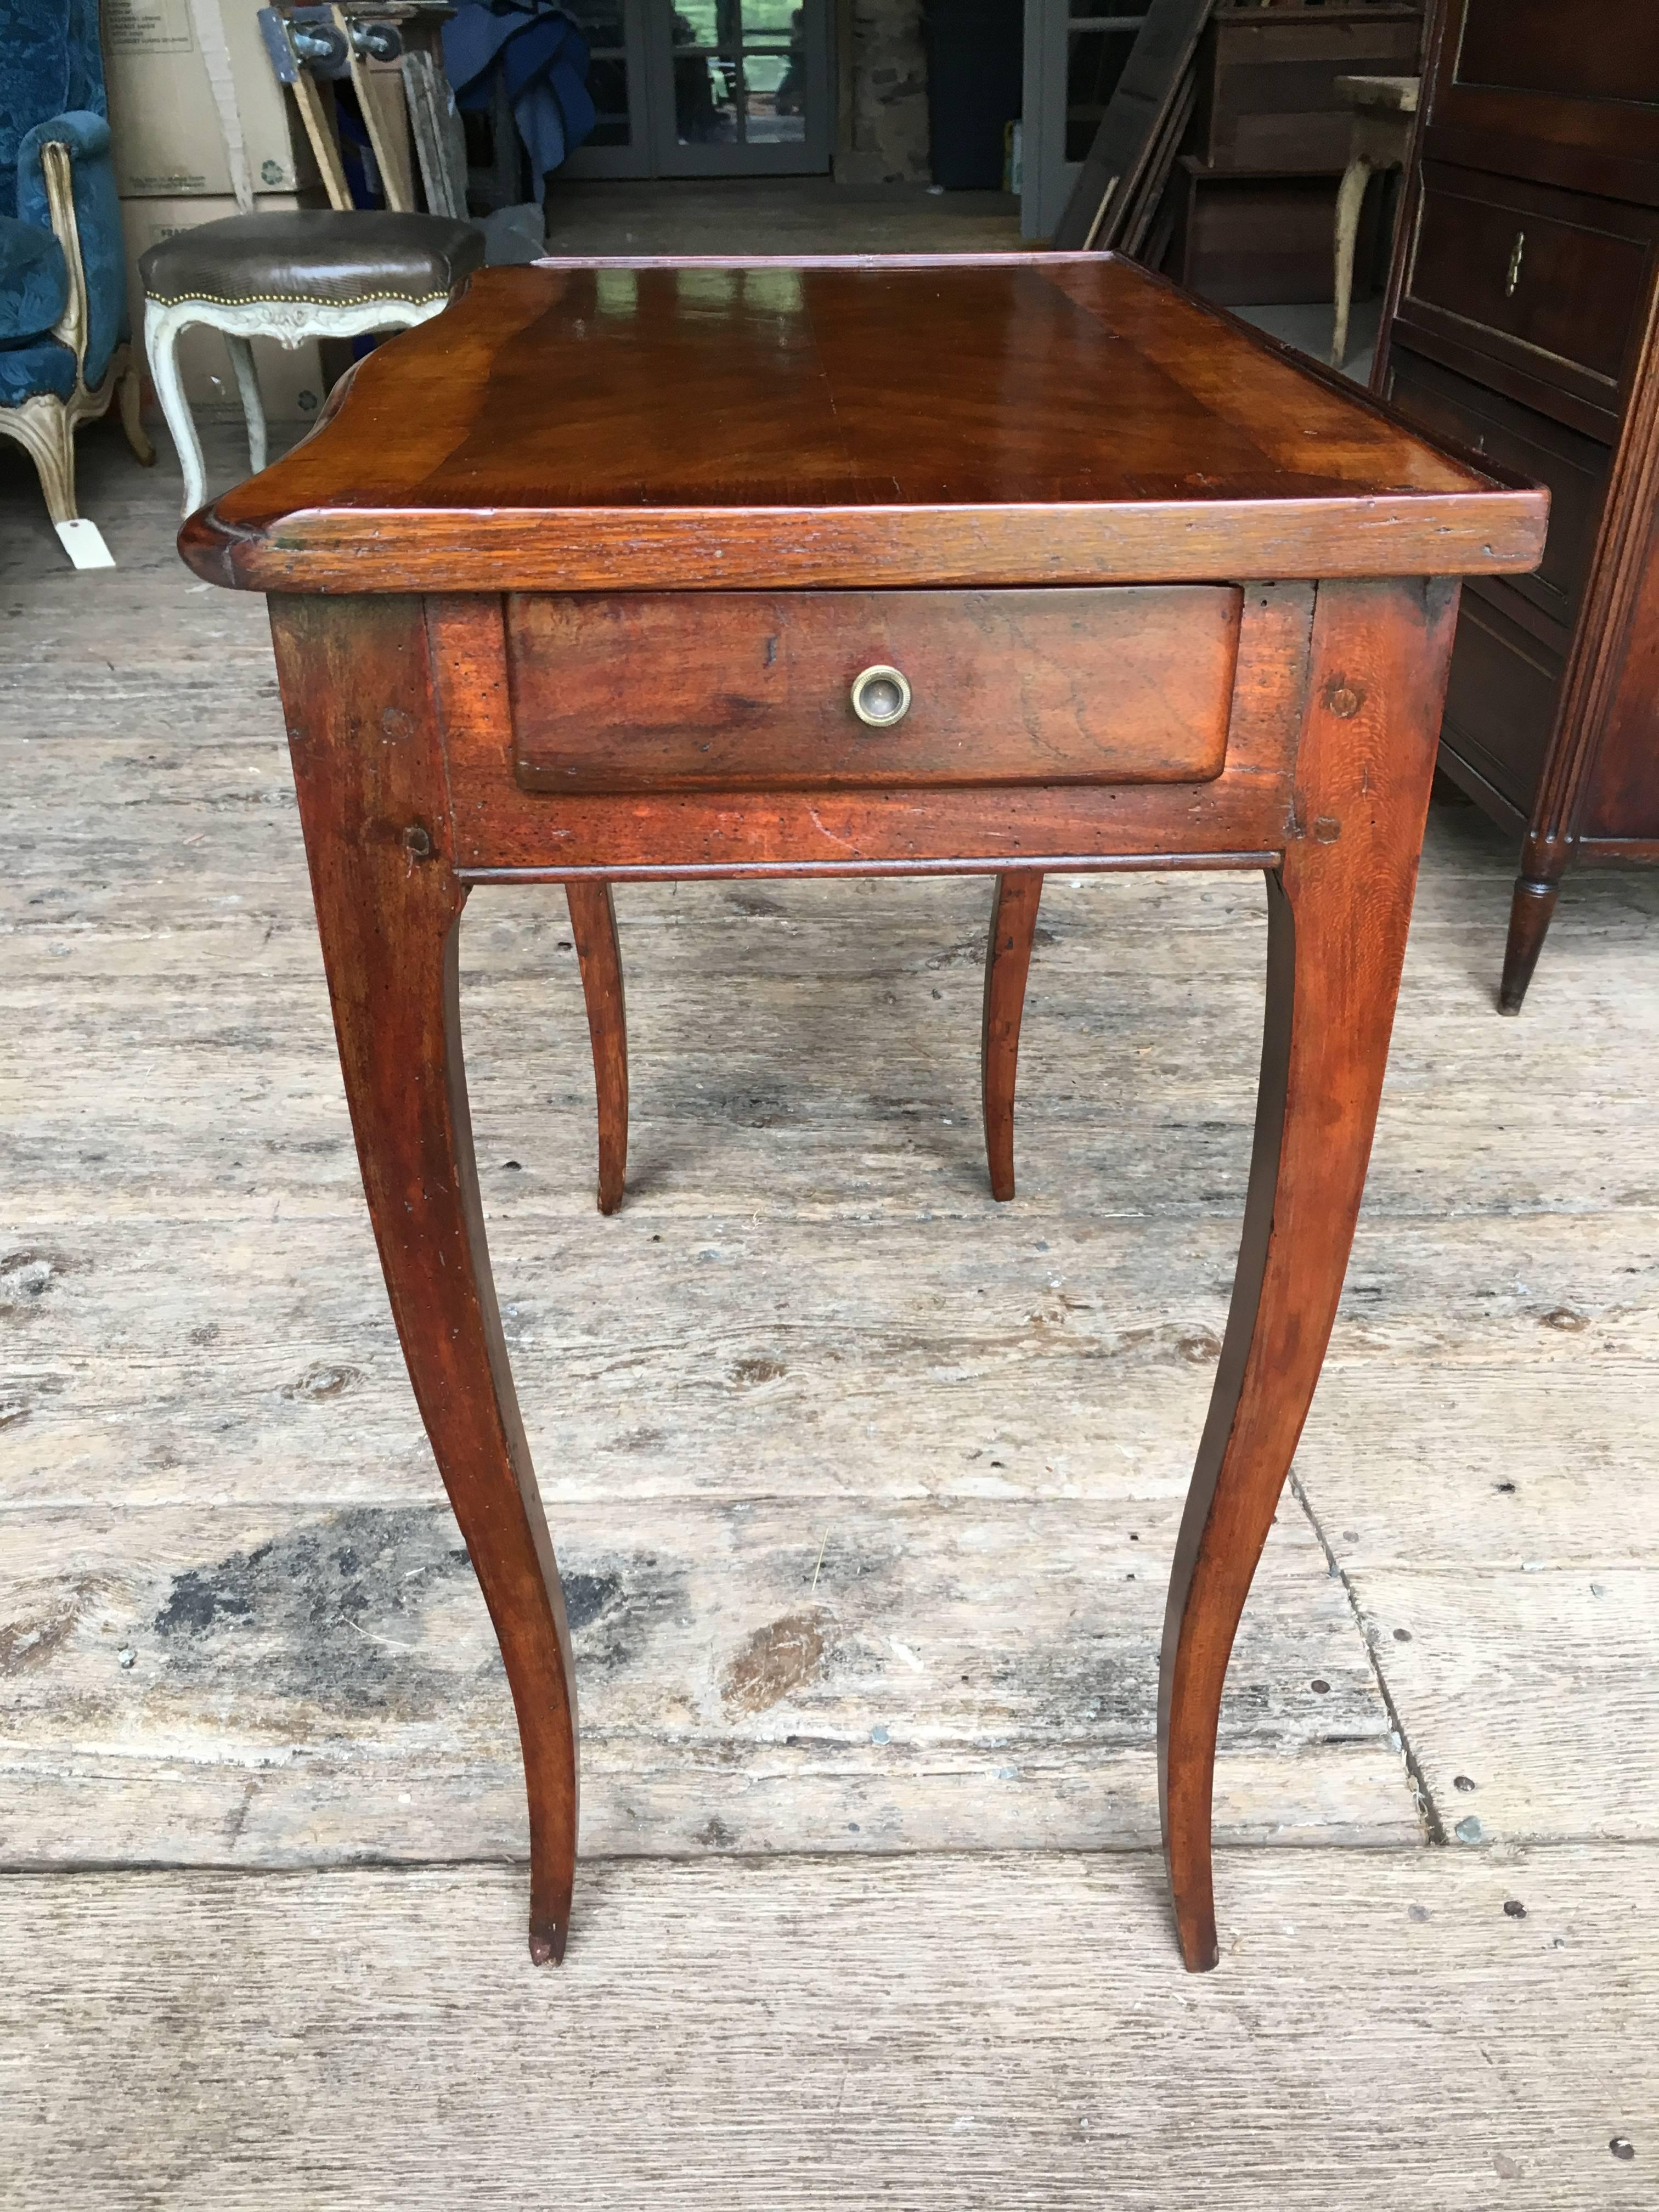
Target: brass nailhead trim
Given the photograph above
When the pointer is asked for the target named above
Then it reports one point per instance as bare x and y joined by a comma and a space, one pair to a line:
288, 299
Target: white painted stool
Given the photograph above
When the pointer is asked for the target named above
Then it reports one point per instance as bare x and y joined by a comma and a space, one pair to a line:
290, 276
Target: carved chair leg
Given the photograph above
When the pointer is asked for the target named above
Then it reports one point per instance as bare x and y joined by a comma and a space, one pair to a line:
363, 733
1338, 910
594, 926
253, 406
1007, 963
41, 425
1531, 911
132, 399
161, 335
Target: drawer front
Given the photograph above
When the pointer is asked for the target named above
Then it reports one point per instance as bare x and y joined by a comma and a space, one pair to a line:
1574, 467
1500, 701
1557, 284
754, 691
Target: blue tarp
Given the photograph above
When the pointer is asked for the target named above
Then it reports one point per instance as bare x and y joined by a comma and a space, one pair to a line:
545, 57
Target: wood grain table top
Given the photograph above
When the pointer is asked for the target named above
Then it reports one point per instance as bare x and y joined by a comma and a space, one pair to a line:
1025, 418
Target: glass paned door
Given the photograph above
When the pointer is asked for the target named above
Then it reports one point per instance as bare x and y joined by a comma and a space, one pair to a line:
745, 86
1075, 51
706, 87
617, 78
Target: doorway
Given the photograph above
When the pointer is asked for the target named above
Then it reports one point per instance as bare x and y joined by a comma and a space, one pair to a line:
706, 87
1074, 55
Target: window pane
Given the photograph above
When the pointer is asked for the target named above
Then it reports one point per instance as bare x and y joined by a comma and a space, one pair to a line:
607, 81
705, 81
775, 75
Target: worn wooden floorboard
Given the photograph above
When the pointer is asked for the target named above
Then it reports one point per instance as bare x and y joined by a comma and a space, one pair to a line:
1536, 1688
983, 2034
880, 1676
889, 1356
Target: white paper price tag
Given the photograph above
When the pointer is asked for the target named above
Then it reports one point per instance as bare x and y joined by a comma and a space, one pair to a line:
83, 542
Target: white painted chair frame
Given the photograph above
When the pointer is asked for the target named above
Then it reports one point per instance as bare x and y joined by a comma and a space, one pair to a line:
43, 425
290, 322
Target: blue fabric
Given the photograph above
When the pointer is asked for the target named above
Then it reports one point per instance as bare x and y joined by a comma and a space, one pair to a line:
51, 90
50, 61
545, 58
43, 365
98, 218
34, 281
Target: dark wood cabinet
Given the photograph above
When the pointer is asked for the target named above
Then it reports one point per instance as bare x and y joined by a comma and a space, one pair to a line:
1522, 319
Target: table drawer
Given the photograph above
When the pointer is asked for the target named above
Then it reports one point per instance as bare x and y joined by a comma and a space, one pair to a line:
1553, 282
753, 690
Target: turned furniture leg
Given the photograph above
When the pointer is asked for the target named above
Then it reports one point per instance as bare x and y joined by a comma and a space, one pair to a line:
1339, 905
1007, 961
370, 776
594, 926
1531, 911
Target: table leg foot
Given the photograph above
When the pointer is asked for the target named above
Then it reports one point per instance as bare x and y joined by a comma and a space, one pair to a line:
549, 1929
594, 926
1007, 963
1338, 906
1531, 911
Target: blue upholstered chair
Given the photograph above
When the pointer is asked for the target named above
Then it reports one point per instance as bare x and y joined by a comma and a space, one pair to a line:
63, 349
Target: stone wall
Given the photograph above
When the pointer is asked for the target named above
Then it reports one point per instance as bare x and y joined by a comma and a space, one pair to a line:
889, 130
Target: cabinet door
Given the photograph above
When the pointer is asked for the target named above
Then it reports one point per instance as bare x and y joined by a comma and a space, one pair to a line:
1572, 92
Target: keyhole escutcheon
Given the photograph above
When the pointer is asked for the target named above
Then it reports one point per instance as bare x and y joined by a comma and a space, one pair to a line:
1513, 276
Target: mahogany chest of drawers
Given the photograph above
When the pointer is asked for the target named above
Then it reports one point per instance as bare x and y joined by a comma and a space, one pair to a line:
1520, 321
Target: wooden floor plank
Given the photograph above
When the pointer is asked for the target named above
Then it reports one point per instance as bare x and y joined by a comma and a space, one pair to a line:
756, 1675
950, 2035
1536, 1689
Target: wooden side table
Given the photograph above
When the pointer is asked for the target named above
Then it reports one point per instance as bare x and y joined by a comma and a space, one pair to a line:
843, 567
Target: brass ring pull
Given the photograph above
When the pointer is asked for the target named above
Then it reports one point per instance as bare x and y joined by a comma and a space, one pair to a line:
881, 696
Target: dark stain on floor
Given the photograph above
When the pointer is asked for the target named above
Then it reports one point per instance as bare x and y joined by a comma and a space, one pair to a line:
615, 1608
328, 1611
332, 1612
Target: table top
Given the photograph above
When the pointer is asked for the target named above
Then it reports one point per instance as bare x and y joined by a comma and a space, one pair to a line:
1396, 93
1020, 418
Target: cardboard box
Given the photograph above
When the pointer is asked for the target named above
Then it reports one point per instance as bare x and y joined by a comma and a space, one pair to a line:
290, 380
166, 94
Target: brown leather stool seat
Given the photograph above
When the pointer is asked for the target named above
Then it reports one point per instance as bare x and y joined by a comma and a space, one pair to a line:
318, 259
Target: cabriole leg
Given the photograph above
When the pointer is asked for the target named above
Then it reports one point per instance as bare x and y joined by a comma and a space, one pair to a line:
1007, 963
1338, 906
361, 724
132, 399
161, 335
1349, 200
253, 406
594, 926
